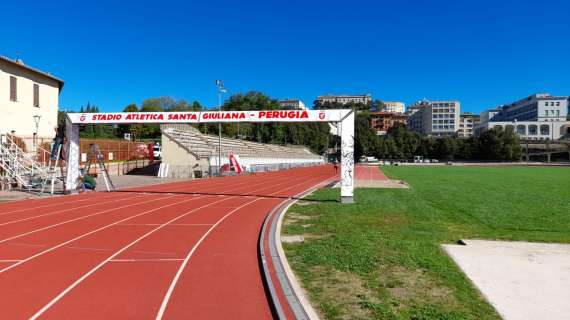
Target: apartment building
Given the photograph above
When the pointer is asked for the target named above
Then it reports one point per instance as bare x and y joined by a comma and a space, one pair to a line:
434, 118
393, 106
467, 123
29, 100
344, 99
538, 116
383, 121
293, 104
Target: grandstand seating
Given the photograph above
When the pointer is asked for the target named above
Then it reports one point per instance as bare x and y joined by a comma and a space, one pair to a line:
205, 146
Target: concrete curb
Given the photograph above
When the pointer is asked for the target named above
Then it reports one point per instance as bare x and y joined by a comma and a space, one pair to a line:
292, 290
302, 299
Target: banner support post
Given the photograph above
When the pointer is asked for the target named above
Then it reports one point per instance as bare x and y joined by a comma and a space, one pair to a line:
347, 158
72, 161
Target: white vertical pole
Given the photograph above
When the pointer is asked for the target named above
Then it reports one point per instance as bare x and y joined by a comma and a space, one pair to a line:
72, 174
347, 159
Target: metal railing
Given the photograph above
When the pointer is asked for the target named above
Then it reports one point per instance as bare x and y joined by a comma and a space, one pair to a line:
19, 167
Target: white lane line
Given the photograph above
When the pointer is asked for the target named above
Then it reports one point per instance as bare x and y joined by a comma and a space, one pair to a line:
185, 261
181, 185
97, 213
63, 293
26, 245
66, 210
73, 285
8, 260
80, 218
154, 252
90, 233
87, 248
174, 224
55, 204
174, 282
143, 260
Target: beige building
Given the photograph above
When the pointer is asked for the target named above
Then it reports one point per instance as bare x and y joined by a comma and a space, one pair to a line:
344, 99
27, 96
467, 123
394, 106
539, 116
294, 104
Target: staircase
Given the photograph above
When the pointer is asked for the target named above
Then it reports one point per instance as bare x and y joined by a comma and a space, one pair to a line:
20, 168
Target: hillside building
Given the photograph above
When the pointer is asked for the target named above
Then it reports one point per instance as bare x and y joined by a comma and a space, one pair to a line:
536, 117
467, 123
382, 121
434, 118
394, 107
293, 104
344, 99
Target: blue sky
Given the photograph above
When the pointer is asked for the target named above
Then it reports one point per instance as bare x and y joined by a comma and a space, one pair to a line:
112, 53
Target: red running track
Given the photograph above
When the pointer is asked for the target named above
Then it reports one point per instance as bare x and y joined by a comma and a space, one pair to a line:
174, 251
368, 172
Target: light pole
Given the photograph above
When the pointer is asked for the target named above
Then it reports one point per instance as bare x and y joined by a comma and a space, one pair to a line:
221, 89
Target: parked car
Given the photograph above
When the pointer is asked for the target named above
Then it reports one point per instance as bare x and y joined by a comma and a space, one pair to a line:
157, 151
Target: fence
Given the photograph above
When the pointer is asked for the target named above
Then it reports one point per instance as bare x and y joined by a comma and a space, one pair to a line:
116, 150
112, 150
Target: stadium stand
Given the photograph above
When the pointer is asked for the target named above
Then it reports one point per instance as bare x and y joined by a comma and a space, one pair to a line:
189, 153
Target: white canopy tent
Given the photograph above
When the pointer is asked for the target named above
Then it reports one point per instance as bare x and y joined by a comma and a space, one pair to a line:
344, 117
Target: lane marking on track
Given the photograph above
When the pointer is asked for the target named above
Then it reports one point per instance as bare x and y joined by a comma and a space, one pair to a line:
87, 248
55, 204
144, 260
86, 275
80, 218
174, 282
66, 210
173, 224
185, 261
11, 260
26, 244
90, 233
193, 197
100, 212
74, 284
154, 252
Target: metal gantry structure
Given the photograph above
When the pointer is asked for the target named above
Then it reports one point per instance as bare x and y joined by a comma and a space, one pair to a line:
345, 118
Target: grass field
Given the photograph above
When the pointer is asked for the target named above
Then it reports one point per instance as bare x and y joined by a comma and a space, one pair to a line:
381, 257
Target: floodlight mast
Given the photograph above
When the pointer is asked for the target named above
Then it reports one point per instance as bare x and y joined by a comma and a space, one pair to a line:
221, 89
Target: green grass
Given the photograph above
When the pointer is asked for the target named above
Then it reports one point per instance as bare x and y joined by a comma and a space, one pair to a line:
381, 258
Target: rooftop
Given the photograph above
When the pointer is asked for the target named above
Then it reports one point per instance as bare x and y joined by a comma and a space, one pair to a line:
20, 64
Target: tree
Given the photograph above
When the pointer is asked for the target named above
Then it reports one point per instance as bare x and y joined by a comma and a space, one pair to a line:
95, 130
365, 138
315, 136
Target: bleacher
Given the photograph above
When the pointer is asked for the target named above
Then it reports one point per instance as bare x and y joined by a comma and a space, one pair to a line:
205, 146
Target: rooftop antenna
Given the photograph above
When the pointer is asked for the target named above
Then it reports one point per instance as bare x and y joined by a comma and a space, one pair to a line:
19, 57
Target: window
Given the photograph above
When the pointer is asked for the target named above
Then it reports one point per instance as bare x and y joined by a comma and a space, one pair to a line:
13, 89
532, 130
558, 103
544, 130
36, 95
